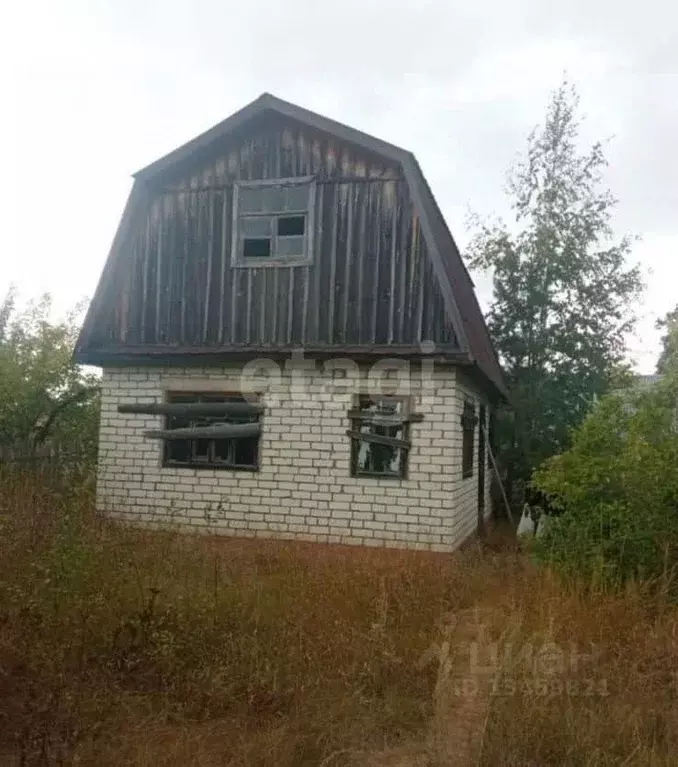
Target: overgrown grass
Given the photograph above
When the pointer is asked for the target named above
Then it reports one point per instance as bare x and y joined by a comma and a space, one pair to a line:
122, 646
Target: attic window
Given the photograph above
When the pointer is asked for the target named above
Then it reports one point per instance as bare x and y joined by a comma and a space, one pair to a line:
273, 222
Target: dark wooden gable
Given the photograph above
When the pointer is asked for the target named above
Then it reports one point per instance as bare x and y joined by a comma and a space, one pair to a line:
373, 282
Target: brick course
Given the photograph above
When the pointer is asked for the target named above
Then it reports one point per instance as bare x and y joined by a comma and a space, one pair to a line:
303, 489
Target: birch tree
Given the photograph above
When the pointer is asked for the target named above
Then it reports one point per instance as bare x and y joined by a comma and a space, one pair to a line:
563, 289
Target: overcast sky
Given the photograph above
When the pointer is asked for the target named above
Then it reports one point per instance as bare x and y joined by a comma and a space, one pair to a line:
96, 89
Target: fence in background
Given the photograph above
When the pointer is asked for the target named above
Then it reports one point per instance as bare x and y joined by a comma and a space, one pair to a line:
53, 463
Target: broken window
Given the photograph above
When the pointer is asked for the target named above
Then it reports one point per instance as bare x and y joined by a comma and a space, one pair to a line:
273, 222
256, 247
239, 452
468, 425
379, 437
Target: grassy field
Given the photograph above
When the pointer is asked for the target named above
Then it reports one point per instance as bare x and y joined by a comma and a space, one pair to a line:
122, 646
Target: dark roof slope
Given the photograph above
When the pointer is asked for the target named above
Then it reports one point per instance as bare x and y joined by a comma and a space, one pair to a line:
477, 335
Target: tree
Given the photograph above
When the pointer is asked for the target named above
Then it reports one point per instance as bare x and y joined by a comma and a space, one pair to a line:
563, 293
43, 393
669, 340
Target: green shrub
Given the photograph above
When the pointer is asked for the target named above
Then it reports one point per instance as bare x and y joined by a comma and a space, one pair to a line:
617, 488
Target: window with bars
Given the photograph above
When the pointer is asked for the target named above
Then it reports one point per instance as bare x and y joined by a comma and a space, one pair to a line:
380, 432
210, 452
273, 222
468, 425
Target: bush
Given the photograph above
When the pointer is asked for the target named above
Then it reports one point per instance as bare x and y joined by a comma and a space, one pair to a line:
618, 490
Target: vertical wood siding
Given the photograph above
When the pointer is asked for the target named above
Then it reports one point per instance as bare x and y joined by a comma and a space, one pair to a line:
370, 280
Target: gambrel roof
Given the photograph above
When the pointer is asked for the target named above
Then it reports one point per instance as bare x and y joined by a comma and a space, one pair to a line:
452, 276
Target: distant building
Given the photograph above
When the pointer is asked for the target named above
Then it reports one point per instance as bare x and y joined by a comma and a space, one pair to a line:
647, 379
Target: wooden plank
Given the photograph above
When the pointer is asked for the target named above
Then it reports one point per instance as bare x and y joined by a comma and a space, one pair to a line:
411, 281
248, 308
429, 302
333, 264
290, 302
392, 284
146, 247
158, 272
385, 420
305, 272
317, 260
277, 142
137, 302
347, 269
376, 223
225, 431
192, 408
210, 258
225, 255
420, 296
379, 439
365, 212
235, 278
279, 174
402, 283
274, 306
184, 267
173, 260
261, 296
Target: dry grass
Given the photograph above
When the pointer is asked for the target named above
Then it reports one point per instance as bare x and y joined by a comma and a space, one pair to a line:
121, 646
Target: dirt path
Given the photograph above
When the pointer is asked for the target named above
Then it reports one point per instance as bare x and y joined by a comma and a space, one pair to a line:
462, 697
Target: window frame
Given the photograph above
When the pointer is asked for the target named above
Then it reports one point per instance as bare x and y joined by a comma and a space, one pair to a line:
237, 256
468, 420
196, 395
356, 442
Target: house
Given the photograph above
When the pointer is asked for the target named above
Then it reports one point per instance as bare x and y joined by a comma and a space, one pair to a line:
646, 380
291, 345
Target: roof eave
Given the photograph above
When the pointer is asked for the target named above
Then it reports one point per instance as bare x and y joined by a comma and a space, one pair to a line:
145, 354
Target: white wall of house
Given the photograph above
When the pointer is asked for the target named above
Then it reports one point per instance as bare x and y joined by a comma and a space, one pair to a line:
303, 489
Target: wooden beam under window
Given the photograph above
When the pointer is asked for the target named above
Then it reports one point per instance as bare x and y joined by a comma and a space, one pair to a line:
193, 408
379, 439
385, 420
222, 431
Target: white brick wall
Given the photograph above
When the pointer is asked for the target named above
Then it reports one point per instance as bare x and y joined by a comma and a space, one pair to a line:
303, 489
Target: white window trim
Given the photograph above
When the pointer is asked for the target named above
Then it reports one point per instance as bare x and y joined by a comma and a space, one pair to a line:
238, 261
